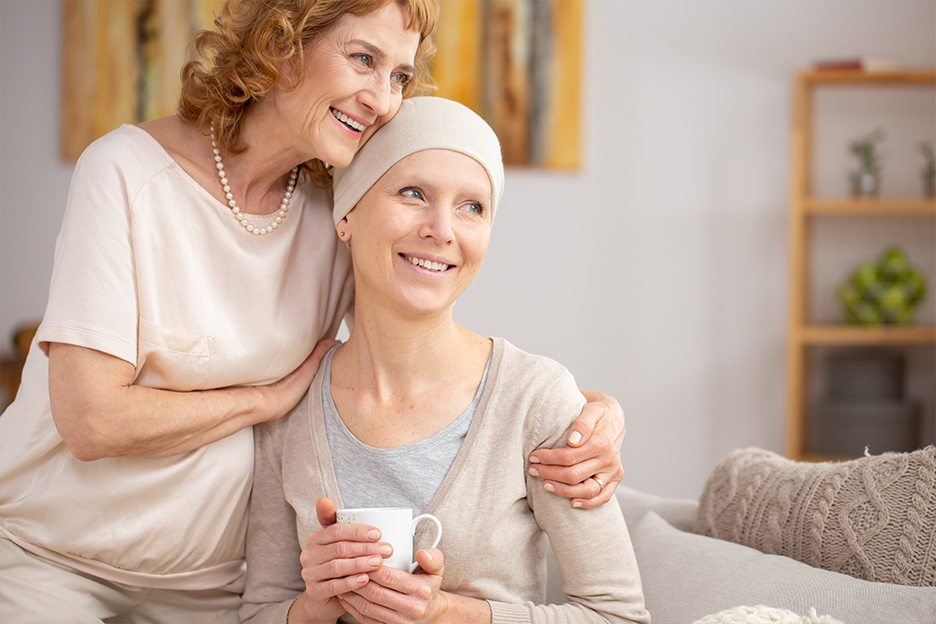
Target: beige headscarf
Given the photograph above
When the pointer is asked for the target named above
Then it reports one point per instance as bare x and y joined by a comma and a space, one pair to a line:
422, 123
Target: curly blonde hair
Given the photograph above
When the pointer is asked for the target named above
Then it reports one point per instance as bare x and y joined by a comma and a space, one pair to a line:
243, 59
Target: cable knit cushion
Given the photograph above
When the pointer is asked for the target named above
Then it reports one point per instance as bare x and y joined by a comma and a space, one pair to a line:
873, 518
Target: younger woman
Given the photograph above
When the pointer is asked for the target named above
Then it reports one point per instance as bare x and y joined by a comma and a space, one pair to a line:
416, 410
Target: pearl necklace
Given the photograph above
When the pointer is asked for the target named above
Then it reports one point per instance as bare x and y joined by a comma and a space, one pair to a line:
279, 215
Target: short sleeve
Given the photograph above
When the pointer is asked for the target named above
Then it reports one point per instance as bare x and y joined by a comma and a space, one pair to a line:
93, 294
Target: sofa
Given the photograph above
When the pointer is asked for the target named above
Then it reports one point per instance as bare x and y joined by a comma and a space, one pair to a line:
851, 542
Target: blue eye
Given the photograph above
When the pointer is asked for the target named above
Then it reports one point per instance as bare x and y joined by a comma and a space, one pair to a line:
365, 59
402, 79
475, 208
412, 193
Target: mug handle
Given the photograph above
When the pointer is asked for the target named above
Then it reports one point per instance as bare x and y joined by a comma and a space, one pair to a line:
438, 536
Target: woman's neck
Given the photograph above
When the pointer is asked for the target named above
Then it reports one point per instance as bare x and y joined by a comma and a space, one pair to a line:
259, 174
397, 381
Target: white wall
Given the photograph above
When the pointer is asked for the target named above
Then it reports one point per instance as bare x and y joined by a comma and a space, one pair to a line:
656, 274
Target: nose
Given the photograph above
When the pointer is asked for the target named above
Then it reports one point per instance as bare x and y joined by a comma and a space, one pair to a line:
438, 224
377, 94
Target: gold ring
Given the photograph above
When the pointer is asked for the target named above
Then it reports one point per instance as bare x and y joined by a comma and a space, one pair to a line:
599, 482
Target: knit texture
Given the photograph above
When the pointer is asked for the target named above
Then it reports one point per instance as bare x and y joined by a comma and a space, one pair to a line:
764, 615
873, 518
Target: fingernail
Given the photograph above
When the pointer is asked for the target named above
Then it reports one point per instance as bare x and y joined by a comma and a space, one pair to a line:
363, 578
575, 437
576, 504
428, 554
373, 534
534, 459
374, 562
385, 549
549, 487
534, 471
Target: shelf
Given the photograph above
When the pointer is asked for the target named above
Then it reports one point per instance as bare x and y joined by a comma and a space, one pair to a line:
867, 335
804, 210
906, 77
872, 207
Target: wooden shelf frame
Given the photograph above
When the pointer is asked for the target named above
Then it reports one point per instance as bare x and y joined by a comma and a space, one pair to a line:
802, 335
885, 207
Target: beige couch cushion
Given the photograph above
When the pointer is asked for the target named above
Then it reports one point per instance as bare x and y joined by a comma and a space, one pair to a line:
687, 576
873, 518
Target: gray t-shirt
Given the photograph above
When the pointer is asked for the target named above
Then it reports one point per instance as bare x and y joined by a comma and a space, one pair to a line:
408, 476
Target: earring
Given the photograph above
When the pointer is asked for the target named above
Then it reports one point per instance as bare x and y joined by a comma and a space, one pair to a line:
340, 234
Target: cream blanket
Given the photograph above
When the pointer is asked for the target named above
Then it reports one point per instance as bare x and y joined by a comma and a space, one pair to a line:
872, 518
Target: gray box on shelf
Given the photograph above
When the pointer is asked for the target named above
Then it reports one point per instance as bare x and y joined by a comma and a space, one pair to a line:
865, 407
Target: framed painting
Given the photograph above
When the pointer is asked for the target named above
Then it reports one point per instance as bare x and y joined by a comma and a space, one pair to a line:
121, 63
517, 63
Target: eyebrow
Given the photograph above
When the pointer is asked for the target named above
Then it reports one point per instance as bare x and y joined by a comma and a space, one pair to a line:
378, 53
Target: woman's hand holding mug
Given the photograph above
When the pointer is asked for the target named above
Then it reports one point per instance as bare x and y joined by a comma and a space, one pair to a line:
398, 597
336, 561
396, 593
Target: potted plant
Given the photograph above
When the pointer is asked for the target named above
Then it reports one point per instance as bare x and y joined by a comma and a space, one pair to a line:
866, 181
885, 292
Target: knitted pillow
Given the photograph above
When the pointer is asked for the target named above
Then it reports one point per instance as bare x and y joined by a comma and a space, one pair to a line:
873, 518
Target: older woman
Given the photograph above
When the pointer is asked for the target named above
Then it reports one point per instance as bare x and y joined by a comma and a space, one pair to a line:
195, 271
417, 411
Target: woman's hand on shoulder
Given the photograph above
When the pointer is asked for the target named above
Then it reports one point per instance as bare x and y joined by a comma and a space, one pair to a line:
336, 560
281, 396
588, 470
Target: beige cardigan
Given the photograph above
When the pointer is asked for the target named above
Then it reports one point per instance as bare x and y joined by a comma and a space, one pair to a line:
495, 516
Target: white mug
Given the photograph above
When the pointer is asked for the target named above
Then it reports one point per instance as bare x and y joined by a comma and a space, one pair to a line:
397, 527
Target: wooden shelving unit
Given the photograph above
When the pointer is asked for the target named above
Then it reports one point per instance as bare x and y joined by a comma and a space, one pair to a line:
802, 333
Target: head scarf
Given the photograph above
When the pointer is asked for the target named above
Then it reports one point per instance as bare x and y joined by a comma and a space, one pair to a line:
422, 123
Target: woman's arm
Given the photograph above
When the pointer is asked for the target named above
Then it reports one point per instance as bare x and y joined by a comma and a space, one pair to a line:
594, 449
597, 561
100, 413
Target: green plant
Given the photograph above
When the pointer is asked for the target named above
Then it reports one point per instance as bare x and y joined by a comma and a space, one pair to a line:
865, 149
883, 292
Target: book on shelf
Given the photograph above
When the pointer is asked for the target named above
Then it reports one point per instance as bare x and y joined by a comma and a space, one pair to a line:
857, 63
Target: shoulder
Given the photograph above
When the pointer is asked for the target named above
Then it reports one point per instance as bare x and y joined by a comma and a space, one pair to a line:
127, 153
529, 371
127, 144
536, 386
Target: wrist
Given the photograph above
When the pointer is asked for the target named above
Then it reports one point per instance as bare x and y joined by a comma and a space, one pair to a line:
304, 610
462, 609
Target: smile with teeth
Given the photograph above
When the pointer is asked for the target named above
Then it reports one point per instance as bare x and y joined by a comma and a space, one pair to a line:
347, 120
427, 264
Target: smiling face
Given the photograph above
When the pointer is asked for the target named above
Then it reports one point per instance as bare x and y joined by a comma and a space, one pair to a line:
418, 236
353, 82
